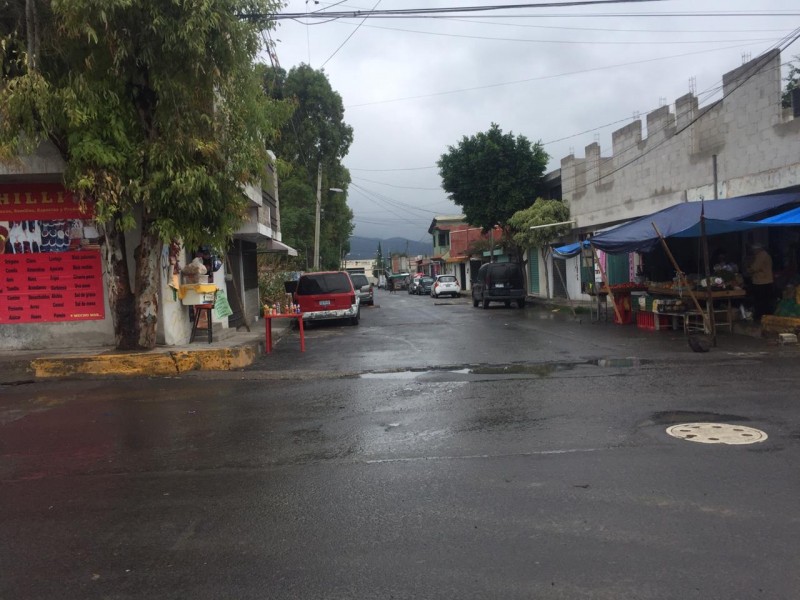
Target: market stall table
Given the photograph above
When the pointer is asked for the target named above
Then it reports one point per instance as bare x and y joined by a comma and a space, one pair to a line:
268, 324
692, 319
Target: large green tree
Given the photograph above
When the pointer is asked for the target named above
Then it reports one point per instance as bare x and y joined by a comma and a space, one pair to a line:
158, 110
492, 175
538, 226
314, 140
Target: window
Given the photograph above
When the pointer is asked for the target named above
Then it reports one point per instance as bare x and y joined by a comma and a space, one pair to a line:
444, 238
324, 283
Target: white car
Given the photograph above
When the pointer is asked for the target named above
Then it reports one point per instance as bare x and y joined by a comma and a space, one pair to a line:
445, 285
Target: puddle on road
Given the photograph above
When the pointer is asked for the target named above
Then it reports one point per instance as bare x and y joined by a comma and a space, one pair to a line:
535, 369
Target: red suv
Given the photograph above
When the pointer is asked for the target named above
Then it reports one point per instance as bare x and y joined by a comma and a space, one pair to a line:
327, 295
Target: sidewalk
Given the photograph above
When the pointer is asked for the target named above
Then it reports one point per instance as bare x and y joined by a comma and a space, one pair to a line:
235, 351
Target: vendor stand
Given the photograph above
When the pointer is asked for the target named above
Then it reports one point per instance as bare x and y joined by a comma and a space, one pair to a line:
721, 303
201, 297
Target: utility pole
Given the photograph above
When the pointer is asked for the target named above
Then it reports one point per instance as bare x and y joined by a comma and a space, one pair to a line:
317, 216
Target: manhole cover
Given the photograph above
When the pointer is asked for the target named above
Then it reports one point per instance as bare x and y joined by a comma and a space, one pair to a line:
717, 433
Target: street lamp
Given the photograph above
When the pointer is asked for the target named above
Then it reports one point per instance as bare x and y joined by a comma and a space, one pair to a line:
316, 221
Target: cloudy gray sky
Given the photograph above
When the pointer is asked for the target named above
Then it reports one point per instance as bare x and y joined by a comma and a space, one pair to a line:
567, 76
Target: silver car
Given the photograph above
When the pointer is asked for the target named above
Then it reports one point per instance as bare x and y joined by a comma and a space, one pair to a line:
364, 289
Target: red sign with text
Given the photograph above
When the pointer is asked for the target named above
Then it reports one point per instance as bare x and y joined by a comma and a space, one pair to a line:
51, 287
40, 202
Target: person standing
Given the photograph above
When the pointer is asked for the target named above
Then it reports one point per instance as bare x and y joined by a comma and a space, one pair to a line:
760, 271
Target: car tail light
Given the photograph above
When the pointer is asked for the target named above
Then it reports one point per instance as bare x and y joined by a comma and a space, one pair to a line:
352, 298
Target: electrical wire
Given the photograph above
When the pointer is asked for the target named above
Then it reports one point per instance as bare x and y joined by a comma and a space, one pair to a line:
541, 78
347, 39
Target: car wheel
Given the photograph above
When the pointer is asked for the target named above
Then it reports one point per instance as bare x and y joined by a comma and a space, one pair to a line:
474, 302
485, 304
354, 320
521, 302
507, 303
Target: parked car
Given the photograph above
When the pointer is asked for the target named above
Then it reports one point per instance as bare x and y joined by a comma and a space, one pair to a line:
413, 284
424, 285
327, 295
499, 282
445, 285
364, 289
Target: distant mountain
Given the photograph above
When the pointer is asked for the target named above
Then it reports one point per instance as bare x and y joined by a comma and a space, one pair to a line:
363, 248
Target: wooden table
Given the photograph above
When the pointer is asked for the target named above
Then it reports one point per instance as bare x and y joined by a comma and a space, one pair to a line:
699, 294
268, 324
702, 296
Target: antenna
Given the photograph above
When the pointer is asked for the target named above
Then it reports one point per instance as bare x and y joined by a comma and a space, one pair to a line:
662, 101
746, 57
693, 85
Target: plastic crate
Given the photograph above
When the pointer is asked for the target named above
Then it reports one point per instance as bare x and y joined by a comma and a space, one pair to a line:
652, 321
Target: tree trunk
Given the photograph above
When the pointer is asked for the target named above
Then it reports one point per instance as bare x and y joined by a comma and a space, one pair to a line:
148, 256
120, 296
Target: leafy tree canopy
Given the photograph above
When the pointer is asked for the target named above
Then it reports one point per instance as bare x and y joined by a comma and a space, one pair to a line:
542, 212
492, 175
316, 135
154, 105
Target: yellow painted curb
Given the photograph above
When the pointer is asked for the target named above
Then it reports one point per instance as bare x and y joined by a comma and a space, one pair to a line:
137, 364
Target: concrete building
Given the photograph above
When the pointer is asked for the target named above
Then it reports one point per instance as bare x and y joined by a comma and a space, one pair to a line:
752, 139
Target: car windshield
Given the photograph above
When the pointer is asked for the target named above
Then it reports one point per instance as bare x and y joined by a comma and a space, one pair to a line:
324, 283
359, 280
447, 278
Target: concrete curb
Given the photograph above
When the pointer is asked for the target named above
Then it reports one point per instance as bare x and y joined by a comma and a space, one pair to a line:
145, 363
236, 352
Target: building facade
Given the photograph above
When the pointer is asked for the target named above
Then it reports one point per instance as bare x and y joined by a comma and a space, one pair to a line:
744, 143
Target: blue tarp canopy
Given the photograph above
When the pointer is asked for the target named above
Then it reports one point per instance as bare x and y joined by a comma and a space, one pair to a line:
683, 220
569, 250
790, 217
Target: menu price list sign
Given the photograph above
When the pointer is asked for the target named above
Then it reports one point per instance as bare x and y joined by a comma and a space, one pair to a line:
51, 287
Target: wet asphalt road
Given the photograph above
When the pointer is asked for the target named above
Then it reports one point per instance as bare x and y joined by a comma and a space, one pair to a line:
434, 451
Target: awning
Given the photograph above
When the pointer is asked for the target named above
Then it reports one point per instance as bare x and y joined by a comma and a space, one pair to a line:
280, 247
683, 220
790, 217
570, 250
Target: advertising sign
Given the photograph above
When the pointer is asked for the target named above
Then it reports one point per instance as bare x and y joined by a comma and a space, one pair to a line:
50, 267
51, 287
40, 202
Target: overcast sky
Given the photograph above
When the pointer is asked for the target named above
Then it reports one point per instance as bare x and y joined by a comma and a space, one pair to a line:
565, 76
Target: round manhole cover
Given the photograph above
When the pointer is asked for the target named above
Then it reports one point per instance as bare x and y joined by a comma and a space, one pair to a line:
717, 433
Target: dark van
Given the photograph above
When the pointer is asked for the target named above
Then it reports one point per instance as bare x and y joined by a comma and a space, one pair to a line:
499, 282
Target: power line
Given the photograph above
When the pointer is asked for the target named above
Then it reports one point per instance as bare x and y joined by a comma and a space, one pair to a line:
421, 12
542, 77
584, 41
347, 39
402, 187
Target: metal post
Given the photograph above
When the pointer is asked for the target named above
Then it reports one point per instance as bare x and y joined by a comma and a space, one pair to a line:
316, 219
